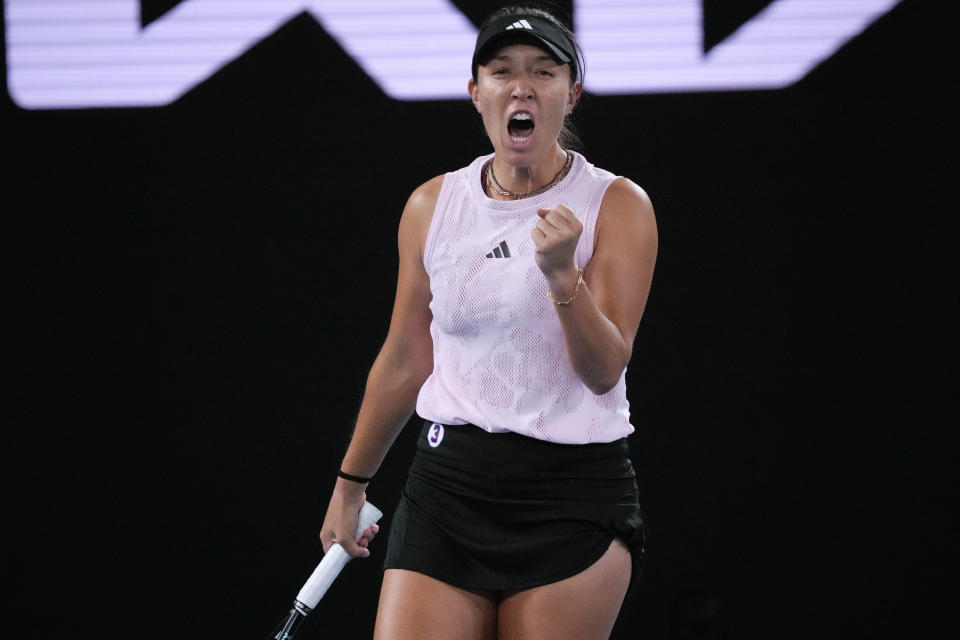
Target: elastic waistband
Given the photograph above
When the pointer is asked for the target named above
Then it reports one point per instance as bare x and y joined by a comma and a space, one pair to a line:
470, 445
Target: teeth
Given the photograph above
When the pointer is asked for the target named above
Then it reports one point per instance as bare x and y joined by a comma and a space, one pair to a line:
518, 117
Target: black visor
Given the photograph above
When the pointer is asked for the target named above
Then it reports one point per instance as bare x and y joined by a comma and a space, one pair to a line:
524, 29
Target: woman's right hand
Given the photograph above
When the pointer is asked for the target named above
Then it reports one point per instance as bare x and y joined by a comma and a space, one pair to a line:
342, 519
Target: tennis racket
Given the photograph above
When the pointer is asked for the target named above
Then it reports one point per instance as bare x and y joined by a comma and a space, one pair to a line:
322, 577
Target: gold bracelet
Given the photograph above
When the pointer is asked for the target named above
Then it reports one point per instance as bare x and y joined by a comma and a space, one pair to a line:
576, 291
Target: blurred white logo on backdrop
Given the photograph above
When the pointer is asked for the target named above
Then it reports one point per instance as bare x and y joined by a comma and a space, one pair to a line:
65, 54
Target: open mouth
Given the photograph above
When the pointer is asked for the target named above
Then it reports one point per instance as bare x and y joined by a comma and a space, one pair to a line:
520, 127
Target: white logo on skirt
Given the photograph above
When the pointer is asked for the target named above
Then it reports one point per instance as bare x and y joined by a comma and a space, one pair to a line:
435, 435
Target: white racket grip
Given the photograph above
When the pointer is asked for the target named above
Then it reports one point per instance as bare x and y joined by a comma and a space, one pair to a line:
333, 561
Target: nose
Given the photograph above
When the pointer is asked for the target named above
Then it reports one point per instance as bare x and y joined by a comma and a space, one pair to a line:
522, 89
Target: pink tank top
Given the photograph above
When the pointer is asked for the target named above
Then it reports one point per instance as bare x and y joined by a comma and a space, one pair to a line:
499, 359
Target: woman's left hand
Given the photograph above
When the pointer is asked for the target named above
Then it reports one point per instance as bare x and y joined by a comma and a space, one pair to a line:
555, 237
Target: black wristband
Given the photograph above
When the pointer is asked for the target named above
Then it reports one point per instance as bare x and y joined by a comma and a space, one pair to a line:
347, 476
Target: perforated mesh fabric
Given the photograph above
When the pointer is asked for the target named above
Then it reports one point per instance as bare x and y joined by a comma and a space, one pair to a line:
499, 359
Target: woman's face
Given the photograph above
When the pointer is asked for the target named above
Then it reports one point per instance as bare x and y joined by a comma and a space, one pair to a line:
523, 96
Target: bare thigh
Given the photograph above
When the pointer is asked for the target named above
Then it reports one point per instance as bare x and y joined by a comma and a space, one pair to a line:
581, 607
414, 606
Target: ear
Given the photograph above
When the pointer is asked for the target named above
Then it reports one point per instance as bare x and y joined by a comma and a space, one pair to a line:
575, 92
474, 94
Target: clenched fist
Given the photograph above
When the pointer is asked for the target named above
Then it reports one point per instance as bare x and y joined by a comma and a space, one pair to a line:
555, 237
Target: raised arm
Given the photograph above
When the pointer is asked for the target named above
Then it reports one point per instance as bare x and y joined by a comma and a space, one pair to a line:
398, 372
599, 325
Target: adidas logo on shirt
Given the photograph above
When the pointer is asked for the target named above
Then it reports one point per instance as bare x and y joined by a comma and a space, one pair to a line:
501, 251
522, 24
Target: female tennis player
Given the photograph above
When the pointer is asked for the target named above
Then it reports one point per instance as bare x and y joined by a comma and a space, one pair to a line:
522, 281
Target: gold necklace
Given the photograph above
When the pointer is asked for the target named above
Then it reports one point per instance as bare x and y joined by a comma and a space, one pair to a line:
513, 194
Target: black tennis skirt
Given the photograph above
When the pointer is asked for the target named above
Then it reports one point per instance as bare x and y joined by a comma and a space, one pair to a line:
504, 511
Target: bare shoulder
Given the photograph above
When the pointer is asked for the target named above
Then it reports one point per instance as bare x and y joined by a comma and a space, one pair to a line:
625, 198
423, 200
627, 212
418, 213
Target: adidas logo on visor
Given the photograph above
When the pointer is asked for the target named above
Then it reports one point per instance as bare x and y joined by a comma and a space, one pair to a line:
521, 24
501, 251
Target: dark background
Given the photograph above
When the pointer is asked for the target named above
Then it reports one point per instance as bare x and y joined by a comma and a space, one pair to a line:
195, 294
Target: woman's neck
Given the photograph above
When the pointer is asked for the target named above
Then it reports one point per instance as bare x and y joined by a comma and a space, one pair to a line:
521, 179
